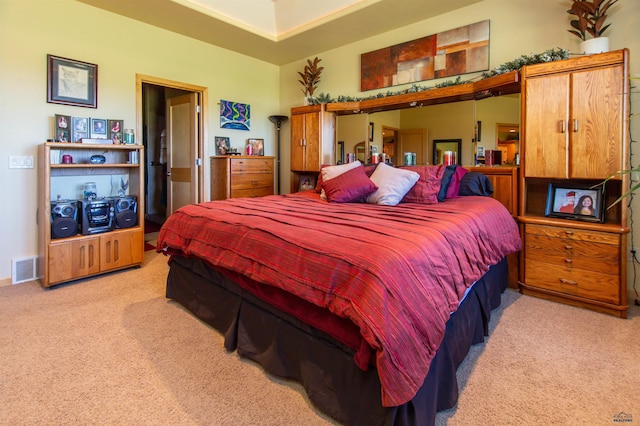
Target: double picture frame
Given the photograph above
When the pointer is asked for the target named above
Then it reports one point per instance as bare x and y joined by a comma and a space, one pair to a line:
576, 202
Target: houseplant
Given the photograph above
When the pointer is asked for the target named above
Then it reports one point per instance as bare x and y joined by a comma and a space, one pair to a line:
590, 20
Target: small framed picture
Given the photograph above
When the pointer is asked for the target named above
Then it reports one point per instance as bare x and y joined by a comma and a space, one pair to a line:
71, 82
79, 128
257, 146
63, 127
307, 182
98, 128
575, 202
115, 130
222, 145
370, 132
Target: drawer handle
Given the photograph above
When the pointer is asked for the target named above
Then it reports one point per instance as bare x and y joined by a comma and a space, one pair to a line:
568, 247
568, 260
566, 281
568, 232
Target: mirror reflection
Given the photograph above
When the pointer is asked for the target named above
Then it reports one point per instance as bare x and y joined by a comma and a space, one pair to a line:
487, 124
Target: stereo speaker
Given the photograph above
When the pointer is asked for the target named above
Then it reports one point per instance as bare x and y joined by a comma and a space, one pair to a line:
64, 218
126, 211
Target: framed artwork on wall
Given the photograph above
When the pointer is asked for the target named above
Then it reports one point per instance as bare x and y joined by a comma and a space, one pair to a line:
72, 82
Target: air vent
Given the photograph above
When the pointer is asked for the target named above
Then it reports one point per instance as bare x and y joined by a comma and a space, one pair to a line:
24, 269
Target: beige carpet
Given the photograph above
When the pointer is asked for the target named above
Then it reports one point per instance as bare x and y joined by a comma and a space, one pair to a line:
113, 350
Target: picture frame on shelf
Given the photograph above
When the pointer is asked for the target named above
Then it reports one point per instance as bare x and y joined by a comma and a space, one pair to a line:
257, 146
222, 145
98, 128
307, 182
63, 127
79, 128
72, 82
115, 130
565, 201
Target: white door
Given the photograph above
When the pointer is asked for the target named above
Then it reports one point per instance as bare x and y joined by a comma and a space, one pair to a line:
182, 151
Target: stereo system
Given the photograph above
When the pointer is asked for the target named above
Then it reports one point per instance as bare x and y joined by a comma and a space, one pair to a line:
68, 217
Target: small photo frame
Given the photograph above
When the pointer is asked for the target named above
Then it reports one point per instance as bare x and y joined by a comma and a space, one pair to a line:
79, 129
370, 132
98, 128
307, 182
115, 130
222, 145
576, 202
71, 82
257, 146
63, 127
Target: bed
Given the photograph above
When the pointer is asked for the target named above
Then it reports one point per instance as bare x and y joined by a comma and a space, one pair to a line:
371, 307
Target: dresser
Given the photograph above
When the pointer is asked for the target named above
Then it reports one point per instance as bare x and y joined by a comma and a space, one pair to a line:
238, 176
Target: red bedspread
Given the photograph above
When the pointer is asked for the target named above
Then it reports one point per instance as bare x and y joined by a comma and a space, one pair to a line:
397, 272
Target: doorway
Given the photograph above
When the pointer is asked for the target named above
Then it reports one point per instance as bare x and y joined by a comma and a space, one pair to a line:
173, 133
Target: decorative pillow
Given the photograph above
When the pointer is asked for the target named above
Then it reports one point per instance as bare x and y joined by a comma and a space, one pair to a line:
454, 185
475, 183
368, 169
351, 186
446, 180
393, 184
425, 191
329, 172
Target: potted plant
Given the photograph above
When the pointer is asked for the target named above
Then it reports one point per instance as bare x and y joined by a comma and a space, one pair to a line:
590, 20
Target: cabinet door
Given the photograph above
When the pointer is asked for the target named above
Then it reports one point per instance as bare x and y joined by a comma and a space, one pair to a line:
121, 249
72, 260
596, 123
313, 142
547, 112
297, 140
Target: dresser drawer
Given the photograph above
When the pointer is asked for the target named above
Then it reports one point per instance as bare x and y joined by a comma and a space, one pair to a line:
251, 192
569, 280
250, 165
580, 254
573, 234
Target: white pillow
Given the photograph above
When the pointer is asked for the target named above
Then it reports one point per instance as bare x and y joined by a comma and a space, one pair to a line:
393, 184
330, 172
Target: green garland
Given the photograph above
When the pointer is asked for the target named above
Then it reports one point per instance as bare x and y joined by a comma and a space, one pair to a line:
556, 54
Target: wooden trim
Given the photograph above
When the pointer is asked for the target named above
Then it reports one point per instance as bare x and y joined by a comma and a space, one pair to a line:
502, 84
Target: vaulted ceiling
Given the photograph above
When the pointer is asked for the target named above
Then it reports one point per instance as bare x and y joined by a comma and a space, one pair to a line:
279, 31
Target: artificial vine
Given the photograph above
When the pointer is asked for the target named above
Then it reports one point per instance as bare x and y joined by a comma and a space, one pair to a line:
550, 55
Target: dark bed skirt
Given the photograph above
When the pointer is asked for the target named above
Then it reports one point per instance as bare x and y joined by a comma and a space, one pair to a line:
286, 347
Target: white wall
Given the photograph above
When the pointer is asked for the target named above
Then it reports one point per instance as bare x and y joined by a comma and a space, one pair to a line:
121, 47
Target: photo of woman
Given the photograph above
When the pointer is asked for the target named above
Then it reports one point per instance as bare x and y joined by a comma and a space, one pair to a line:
585, 206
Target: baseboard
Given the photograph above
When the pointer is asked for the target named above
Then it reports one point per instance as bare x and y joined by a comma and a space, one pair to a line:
5, 282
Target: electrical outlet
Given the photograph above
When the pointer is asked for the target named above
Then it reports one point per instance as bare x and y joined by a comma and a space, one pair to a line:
635, 176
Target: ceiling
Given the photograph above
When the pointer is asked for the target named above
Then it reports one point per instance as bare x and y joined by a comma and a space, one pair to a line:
279, 31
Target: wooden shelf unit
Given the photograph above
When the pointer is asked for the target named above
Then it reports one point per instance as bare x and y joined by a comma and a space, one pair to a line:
79, 256
574, 133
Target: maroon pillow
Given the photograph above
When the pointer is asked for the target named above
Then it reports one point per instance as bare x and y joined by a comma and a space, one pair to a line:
426, 189
351, 186
319, 183
454, 185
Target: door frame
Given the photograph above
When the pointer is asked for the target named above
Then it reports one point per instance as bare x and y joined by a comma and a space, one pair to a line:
202, 93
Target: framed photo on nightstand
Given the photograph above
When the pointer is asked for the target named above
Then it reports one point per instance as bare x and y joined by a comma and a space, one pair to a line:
575, 202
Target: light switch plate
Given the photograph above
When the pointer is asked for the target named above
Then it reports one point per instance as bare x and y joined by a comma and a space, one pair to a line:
21, 161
